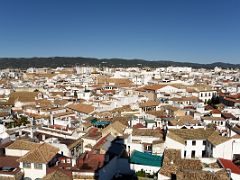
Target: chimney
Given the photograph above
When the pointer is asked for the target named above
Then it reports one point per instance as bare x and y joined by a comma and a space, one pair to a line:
74, 162
51, 119
31, 121
131, 122
31, 133
86, 157
20, 132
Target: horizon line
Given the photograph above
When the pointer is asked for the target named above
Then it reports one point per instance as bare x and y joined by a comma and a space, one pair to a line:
120, 58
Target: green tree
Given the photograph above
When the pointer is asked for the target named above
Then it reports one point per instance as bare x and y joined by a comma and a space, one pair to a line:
141, 173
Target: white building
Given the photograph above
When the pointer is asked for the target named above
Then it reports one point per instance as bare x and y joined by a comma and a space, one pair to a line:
179, 69
35, 163
198, 143
4, 136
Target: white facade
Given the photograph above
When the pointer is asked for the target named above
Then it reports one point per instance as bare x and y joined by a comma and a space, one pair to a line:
147, 169
4, 136
191, 148
168, 89
227, 149
179, 69
203, 148
206, 95
15, 152
34, 172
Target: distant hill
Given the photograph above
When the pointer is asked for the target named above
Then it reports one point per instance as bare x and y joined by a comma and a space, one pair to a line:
54, 62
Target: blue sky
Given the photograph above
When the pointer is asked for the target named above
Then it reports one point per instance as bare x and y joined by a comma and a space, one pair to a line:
201, 31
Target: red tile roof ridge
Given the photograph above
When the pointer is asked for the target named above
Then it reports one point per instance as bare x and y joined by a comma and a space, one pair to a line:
228, 164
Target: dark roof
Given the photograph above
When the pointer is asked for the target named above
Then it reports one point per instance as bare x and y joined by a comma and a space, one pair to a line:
228, 116
10, 161
116, 149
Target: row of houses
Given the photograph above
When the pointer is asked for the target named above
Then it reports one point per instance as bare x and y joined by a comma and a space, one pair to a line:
113, 123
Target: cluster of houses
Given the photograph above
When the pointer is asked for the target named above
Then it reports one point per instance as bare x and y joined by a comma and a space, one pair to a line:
119, 123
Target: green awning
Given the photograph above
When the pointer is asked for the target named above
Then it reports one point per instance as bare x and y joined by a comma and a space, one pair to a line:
101, 123
147, 159
149, 121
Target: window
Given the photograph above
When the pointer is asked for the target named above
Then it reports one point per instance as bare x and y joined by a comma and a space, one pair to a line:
211, 147
193, 154
26, 165
194, 143
37, 166
185, 154
204, 142
149, 148
203, 153
68, 160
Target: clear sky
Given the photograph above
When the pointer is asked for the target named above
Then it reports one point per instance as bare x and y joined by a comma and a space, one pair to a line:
201, 31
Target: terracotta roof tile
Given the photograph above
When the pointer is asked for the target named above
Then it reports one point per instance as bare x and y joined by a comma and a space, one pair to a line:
22, 96
183, 120
115, 126
42, 154
23, 145
148, 104
211, 135
187, 168
228, 164
148, 132
57, 175
83, 108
